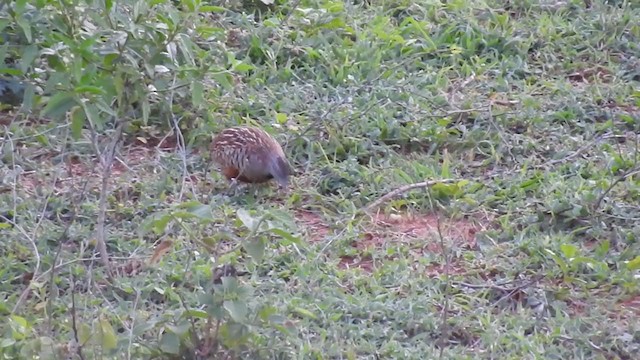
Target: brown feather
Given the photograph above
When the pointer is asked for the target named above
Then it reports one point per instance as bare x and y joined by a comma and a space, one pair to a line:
250, 155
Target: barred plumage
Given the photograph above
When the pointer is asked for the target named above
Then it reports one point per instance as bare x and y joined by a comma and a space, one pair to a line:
250, 155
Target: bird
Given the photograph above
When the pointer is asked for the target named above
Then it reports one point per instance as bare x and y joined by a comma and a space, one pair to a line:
250, 155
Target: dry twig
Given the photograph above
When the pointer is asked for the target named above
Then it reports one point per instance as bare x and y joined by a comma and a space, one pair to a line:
406, 188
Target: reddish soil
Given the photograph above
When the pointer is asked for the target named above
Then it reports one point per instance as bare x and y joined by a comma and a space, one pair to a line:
400, 228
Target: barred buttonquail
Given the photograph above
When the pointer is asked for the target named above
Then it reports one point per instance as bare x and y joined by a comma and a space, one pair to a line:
250, 155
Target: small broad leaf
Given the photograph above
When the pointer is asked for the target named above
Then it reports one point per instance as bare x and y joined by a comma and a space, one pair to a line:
237, 310
108, 337
569, 251
197, 93
19, 326
187, 46
224, 79
446, 189
28, 55
77, 122
304, 313
267, 312
287, 237
158, 223
59, 104
247, 220
281, 118
242, 67
10, 71
84, 333
255, 249
229, 284
142, 328
89, 89
634, 264
146, 110
7, 342
179, 329
25, 25
603, 248
161, 224
29, 97
446, 161
200, 210
170, 343
210, 8
190, 4
195, 313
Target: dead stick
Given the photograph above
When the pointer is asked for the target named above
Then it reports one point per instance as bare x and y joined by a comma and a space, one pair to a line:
405, 189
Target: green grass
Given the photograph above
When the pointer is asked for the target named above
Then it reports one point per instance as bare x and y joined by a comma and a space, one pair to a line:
531, 250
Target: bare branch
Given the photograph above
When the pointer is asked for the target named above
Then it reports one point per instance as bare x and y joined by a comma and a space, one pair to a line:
406, 188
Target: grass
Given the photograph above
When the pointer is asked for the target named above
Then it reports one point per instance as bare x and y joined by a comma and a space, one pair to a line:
523, 115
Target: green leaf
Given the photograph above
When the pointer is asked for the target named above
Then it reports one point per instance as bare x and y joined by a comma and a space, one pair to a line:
336, 23
146, 110
634, 264
237, 310
229, 284
84, 333
10, 71
56, 63
28, 99
569, 251
142, 328
247, 220
446, 189
19, 324
77, 121
190, 4
187, 46
445, 172
207, 31
170, 343
288, 237
3, 24
209, 8
200, 314
304, 313
403, 175
198, 209
603, 248
93, 115
20, 6
242, 67
25, 25
255, 249
108, 336
7, 342
59, 104
224, 79
28, 55
197, 93
179, 329
160, 224
89, 89
281, 118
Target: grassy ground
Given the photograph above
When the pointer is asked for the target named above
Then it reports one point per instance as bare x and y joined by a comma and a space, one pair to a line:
530, 248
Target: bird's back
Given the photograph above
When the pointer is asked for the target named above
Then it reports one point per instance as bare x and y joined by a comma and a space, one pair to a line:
250, 155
